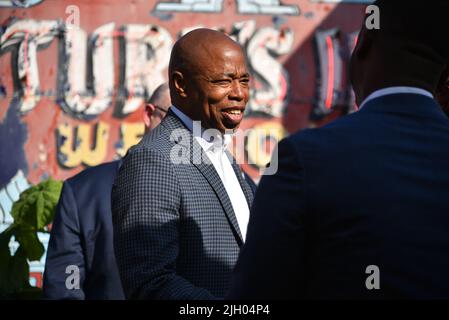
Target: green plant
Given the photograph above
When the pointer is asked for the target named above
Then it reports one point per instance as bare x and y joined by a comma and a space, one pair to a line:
32, 212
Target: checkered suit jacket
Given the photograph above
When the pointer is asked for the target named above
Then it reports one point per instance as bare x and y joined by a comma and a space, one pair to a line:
175, 232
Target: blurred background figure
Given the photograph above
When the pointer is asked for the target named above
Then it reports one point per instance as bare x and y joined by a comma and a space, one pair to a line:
157, 107
80, 258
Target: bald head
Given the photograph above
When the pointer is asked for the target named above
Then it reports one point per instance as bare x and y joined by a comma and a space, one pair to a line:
208, 78
198, 45
160, 96
156, 107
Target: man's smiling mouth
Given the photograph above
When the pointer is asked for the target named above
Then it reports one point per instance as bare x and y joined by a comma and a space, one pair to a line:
233, 115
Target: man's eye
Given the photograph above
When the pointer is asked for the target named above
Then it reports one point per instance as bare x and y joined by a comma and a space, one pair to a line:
244, 81
222, 82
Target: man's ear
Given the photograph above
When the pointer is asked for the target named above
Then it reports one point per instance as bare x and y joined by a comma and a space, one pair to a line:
179, 83
148, 112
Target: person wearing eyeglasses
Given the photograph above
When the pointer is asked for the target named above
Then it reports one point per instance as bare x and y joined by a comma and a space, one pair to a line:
157, 107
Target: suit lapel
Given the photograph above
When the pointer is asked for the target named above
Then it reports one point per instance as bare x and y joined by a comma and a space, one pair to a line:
197, 154
211, 175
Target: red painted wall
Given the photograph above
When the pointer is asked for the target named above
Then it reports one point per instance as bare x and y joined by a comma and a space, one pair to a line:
299, 79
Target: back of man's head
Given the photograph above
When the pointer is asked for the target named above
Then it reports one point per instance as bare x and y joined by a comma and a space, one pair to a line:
156, 107
408, 49
160, 95
420, 22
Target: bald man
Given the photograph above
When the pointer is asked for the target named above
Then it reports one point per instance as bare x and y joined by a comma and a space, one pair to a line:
180, 203
81, 240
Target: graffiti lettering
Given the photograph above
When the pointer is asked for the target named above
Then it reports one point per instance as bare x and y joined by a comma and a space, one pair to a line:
330, 90
74, 16
29, 36
75, 146
9, 194
86, 65
86, 73
145, 50
270, 79
333, 84
77, 97
243, 6
130, 133
19, 3
266, 7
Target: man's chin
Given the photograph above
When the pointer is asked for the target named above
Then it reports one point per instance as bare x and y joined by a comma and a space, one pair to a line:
231, 128
225, 127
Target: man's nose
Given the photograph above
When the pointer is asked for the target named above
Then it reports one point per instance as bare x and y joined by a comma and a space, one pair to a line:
237, 91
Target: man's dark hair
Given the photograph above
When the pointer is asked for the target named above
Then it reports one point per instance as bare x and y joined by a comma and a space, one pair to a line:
420, 24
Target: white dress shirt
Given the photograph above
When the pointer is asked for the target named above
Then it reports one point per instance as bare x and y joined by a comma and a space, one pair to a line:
215, 151
394, 90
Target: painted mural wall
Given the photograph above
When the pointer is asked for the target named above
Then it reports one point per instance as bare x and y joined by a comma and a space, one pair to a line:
74, 75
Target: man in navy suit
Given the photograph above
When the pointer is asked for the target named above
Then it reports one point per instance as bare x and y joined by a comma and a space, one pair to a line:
360, 208
80, 258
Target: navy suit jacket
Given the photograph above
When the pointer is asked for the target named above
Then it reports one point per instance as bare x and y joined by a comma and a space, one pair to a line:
366, 193
82, 235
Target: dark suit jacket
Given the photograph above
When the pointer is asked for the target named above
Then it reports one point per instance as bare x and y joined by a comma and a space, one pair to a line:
369, 189
81, 235
250, 182
175, 232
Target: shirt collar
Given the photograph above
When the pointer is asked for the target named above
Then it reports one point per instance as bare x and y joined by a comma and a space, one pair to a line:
183, 117
393, 90
208, 139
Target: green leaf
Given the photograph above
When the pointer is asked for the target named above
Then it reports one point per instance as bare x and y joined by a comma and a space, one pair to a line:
23, 209
40, 209
36, 205
32, 213
30, 243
